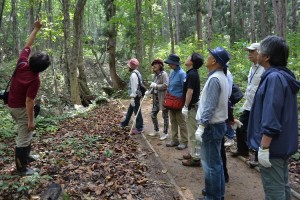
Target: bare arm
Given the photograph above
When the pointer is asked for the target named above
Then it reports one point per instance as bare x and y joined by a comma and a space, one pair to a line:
266, 141
30, 113
32, 36
188, 96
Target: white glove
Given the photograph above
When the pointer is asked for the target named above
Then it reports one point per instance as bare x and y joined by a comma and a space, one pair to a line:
153, 85
199, 133
132, 103
185, 111
263, 157
147, 93
236, 124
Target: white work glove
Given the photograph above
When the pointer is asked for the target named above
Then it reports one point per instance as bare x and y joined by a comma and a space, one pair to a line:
147, 93
236, 124
132, 103
185, 111
153, 85
263, 157
199, 133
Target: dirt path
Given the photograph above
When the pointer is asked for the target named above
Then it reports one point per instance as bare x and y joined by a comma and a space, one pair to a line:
244, 183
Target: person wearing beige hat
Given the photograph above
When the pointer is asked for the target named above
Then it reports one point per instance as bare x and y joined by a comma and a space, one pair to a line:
254, 77
135, 95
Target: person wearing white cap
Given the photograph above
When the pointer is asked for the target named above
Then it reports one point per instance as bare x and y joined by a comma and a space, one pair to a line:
254, 77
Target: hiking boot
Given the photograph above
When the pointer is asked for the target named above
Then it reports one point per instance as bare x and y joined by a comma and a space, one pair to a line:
181, 146
191, 163
253, 163
187, 156
21, 159
163, 136
229, 143
154, 133
172, 144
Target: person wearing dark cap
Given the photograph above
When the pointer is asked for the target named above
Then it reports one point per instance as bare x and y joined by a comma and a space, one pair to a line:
158, 90
254, 77
176, 81
273, 121
211, 115
191, 92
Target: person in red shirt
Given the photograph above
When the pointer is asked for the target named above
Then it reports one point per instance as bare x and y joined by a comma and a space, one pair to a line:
23, 90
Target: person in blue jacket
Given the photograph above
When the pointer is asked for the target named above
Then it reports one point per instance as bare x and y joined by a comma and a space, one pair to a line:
273, 121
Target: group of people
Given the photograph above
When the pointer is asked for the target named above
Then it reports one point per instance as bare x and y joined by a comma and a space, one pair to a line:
268, 124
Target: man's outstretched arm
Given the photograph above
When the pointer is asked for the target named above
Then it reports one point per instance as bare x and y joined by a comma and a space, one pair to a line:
37, 26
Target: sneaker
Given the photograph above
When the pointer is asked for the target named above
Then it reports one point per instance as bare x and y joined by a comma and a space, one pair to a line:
236, 154
187, 156
172, 144
229, 143
181, 146
191, 163
164, 136
154, 133
135, 132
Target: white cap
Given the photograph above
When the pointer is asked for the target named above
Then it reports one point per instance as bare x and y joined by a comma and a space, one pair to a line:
253, 46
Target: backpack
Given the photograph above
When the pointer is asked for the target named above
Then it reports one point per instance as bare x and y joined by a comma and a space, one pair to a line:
141, 88
236, 94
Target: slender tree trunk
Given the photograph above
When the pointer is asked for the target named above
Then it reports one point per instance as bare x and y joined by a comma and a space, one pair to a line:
112, 42
70, 56
2, 4
199, 25
232, 23
31, 15
279, 7
151, 35
171, 26
294, 15
242, 19
139, 31
209, 22
252, 25
262, 21
177, 13
15, 27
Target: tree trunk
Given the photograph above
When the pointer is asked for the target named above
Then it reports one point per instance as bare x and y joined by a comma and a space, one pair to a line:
252, 25
177, 11
279, 7
31, 15
242, 19
2, 4
294, 15
262, 21
209, 22
84, 90
139, 32
71, 76
171, 26
151, 35
232, 23
100, 64
112, 42
199, 25
15, 27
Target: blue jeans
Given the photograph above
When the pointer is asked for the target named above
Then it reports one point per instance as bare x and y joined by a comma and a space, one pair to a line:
212, 162
139, 119
275, 180
230, 133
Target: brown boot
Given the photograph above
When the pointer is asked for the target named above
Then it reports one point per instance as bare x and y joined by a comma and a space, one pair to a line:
187, 156
191, 163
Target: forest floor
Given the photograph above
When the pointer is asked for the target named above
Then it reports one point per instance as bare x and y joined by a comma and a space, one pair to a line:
93, 158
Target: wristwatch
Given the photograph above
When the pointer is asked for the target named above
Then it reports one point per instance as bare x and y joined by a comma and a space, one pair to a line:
263, 147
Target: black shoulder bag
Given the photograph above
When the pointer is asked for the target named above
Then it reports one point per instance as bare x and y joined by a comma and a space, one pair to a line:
141, 88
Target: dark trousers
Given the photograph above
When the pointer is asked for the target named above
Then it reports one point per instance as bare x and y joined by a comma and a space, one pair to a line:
224, 160
241, 134
139, 119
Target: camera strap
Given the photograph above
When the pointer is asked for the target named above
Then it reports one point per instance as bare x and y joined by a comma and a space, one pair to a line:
13, 75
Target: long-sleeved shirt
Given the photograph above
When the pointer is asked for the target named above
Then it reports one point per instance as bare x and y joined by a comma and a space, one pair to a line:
134, 83
177, 77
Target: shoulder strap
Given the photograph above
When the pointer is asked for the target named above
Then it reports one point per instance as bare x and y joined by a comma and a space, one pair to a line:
138, 78
13, 75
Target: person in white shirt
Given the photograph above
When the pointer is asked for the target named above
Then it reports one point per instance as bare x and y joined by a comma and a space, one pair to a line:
253, 81
135, 95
